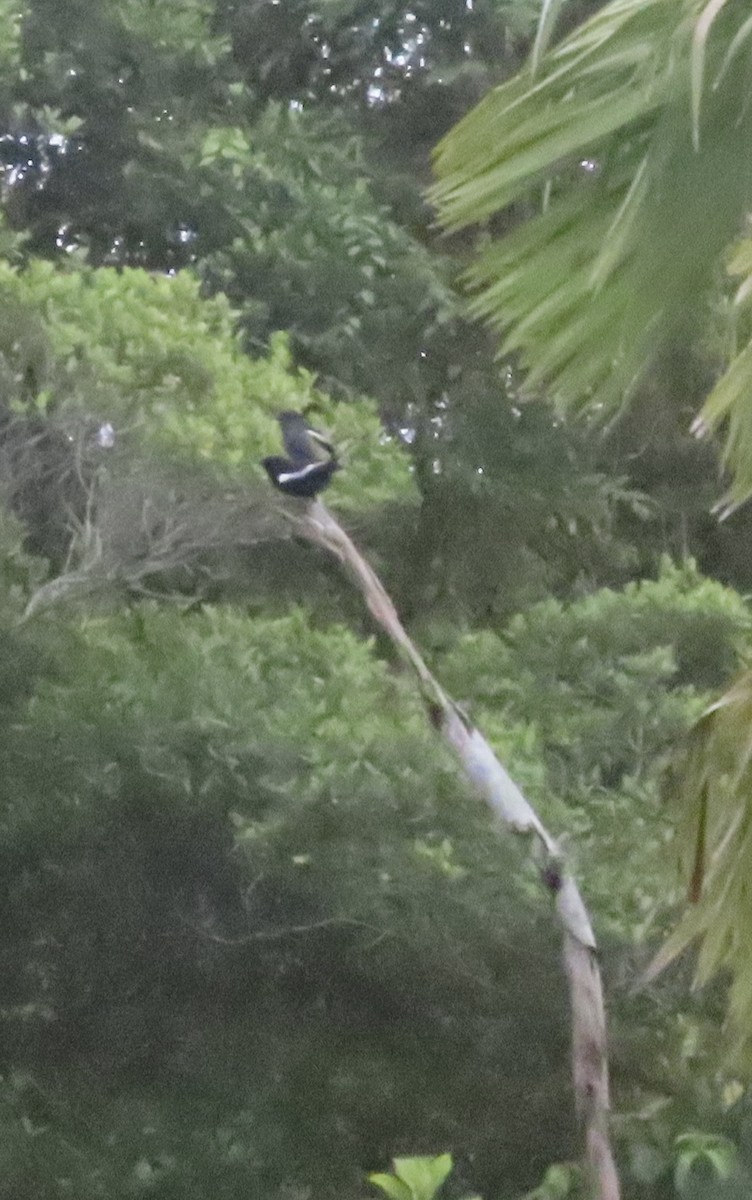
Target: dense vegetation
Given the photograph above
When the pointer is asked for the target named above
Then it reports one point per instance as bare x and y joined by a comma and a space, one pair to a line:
258, 936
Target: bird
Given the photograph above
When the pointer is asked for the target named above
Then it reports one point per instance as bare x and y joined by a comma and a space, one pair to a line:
311, 460
304, 480
303, 442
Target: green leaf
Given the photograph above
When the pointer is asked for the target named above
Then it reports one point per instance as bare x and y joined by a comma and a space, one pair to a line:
546, 23
423, 1175
700, 36
559, 1182
702, 1149
417, 1178
392, 1187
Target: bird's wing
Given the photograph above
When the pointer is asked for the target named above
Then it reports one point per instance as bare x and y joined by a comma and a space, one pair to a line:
317, 436
313, 468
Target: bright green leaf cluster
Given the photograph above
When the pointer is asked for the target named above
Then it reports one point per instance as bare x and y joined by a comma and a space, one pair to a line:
696, 1151
165, 366
414, 1178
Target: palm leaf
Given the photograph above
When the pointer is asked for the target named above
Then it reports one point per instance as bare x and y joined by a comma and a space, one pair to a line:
697, 68
640, 242
712, 795
548, 17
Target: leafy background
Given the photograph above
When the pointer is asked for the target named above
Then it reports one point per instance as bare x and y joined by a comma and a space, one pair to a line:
258, 938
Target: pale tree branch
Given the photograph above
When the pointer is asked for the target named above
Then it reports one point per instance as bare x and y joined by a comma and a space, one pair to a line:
498, 789
131, 532
286, 931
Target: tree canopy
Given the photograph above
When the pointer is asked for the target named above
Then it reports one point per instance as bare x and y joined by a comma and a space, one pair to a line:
258, 936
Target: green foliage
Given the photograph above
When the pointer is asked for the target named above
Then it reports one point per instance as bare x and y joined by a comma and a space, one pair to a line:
198, 136
231, 796
727, 406
640, 197
711, 799
543, 517
173, 161
10, 41
697, 1150
20, 573
414, 1178
310, 251
561, 1181
258, 938
239, 873
165, 367
598, 691
181, 26
244, 144
694, 1164
607, 681
147, 354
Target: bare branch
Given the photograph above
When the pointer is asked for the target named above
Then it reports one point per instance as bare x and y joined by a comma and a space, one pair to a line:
498, 789
133, 530
268, 935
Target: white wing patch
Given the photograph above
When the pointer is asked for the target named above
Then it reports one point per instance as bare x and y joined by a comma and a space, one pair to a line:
293, 476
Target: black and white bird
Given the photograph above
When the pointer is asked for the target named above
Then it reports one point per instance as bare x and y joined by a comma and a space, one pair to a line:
311, 462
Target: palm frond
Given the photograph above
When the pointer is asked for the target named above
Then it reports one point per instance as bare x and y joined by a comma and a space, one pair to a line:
713, 798
700, 35
640, 208
729, 405
548, 17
